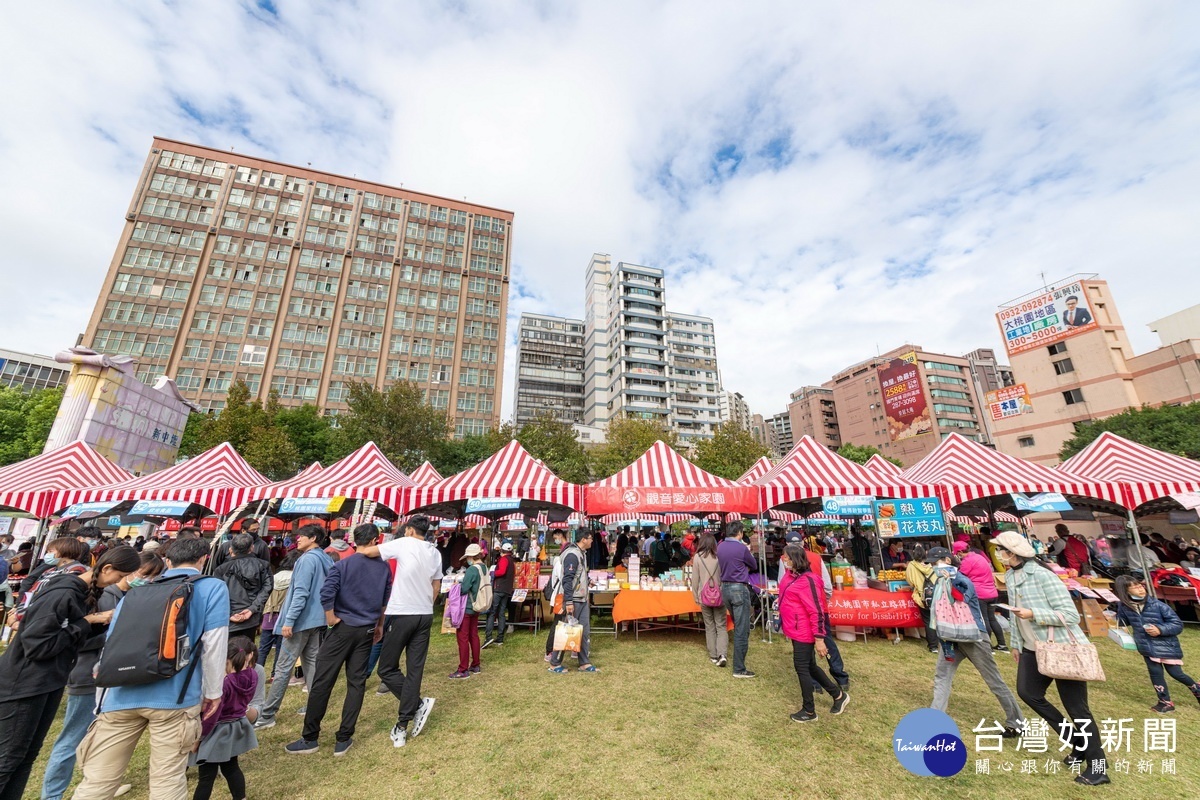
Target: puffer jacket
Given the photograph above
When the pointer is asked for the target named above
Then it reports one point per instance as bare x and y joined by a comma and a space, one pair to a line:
977, 568
1154, 612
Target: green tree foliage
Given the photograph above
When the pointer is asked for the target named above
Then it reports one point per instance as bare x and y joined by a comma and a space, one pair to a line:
861, 454
556, 445
251, 428
396, 419
309, 430
729, 453
194, 434
627, 440
25, 421
1172, 429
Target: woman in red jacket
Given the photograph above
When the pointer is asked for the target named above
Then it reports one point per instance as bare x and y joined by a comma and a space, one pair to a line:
977, 567
802, 614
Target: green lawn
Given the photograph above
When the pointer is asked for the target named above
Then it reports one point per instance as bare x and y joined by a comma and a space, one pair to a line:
660, 721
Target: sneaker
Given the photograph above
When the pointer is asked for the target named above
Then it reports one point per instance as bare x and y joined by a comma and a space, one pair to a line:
1093, 780
262, 723
839, 705
714, 661
508, 630
295, 681
1011, 733
498, 643
487, 644
475, 670
423, 712
803, 716
301, 747
399, 735
744, 674
340, 748
1001, 648
1073, 760
382, 689
1163, 707
462, 673
721, 661
302, 711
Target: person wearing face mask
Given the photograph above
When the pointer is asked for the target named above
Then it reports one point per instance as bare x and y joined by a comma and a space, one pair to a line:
60, 618
978, 652
803, 617
81, 685
1040, 605
1156, 628
63, 554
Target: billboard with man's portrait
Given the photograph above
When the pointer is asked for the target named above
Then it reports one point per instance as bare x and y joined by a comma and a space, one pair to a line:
1046, 318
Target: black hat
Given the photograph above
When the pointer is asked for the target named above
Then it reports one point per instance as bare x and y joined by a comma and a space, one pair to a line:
936, 554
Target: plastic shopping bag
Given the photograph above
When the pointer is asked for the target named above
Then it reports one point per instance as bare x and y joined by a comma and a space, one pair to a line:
568, 636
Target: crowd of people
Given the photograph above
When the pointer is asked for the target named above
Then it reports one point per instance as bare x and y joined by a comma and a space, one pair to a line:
353, 603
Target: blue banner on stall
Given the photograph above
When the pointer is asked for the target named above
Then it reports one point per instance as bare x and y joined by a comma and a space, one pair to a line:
920, 516
114, 522
159, 508
98, 507
848, 505
478, 505
305, 505
1047, 501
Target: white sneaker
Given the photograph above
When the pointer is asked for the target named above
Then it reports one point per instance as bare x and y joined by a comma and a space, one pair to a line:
399, 736
264, 722
423, 714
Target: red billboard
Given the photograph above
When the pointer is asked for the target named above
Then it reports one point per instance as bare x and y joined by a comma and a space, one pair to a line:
904, 400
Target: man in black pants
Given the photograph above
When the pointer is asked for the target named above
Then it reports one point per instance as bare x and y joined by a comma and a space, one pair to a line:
354, 596
407, 621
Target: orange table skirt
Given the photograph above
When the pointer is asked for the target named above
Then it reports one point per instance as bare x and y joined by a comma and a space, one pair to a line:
635, 604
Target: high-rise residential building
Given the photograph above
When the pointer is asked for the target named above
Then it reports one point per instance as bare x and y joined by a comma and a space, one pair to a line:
1073, 363
941, 386
30, 371
295, 280
813, 412
763, 433
735, 410
987, 372
695, 383
781, 434
549, 369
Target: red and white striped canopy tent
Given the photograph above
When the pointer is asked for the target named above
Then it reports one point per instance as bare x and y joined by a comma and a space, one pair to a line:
757, 470
812, 471
662, 481
33, 485
310, 470
965, 472
218, 479
774, 514
425, 475
1001, 516
510, 473
365, 474
1146, 474
881, 466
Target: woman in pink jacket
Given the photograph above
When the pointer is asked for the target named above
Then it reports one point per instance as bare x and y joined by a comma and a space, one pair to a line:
802, 614
978, 568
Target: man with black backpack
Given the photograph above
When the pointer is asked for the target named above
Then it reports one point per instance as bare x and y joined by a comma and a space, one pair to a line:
163, 684
250, 584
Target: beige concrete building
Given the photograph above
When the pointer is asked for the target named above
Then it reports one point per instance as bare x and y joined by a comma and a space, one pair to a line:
1095, 374
30, 371
781, 437
949, 392
300, 281
813, 413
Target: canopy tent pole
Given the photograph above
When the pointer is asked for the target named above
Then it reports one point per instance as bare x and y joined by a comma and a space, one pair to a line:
40, 538
1141, 557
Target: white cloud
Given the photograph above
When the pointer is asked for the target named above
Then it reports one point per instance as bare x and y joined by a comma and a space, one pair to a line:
787, 164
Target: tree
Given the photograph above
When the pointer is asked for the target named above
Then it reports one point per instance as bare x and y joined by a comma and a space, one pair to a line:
554, 442
451, 456
729, 453
627, 439
271, 452
861, 454
236, 423
309, 431
1172, 429
25, 421
195, 431
397, 419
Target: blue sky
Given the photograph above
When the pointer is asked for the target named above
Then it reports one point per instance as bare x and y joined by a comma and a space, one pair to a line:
824, 180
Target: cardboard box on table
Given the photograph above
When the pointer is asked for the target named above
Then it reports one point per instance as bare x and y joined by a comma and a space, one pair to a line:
1091, 617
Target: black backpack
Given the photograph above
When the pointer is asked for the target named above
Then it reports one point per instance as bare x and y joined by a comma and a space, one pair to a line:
149, 641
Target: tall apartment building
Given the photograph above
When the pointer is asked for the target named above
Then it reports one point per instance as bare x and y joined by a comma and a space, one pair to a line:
763, 433
813, 412
695, 383
1088, 370
300, 281
549, 369
947, 388
782, 437
987, 372
30, 371
735, 410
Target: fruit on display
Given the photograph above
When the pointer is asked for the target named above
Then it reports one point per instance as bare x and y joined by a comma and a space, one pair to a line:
891, 575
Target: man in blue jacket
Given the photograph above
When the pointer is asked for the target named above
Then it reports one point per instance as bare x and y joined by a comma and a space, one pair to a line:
301, 618
354, 596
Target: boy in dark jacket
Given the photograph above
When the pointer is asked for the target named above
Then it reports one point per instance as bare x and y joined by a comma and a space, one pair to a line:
502, 592
1156, 628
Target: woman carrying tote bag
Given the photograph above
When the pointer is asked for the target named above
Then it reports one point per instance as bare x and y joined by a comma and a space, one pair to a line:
1044, 618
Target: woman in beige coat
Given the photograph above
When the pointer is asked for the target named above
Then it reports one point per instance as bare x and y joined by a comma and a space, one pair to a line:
705, 571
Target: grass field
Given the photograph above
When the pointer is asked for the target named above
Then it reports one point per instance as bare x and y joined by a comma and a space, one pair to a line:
660, 721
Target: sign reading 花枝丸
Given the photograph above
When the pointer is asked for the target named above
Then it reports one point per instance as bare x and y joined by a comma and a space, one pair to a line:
1044, 319
1009, 401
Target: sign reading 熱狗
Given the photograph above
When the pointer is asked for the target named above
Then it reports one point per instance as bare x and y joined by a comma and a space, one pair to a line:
1044, 319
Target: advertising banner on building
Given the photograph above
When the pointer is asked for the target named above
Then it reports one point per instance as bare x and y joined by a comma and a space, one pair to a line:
1009, 401
904, 400
1046, 318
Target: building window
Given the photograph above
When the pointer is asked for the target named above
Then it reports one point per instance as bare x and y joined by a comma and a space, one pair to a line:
1063, 366
1056, 348
1072, 396
1025, 441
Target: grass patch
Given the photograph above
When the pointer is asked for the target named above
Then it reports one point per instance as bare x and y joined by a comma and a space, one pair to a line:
659, 720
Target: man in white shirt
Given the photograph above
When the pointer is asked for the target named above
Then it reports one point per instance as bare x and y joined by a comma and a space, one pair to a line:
408, 620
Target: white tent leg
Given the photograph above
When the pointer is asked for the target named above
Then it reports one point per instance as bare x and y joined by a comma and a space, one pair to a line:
1141, 557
